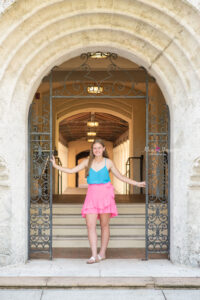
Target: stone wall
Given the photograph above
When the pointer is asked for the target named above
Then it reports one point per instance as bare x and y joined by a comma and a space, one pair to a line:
4, 4
163, 36
5, 214
193, 221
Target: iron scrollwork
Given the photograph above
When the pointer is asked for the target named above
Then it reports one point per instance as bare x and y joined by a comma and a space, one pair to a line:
112, 78
40, 216
157, 201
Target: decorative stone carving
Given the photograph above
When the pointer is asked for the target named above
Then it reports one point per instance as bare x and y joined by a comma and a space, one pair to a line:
4, 4
5, 214
193, 215
195, 177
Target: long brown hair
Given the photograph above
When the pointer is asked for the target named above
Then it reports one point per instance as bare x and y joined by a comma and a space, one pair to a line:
91, 156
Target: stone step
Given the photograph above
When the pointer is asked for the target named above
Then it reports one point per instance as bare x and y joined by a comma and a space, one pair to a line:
131, 219
114, 242
76, 208
77, 230
119, 282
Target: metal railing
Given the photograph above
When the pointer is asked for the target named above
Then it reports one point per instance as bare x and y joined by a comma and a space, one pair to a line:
59, 186
130, 171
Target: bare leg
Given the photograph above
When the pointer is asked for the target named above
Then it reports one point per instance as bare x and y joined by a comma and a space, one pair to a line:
105, 233
91, 220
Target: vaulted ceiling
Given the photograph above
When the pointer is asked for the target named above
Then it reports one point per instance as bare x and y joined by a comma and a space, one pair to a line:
75, 127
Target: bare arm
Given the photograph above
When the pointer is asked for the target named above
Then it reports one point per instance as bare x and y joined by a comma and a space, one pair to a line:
117, 173
76, 169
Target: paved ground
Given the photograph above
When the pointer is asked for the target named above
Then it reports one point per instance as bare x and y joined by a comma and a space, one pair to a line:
99, 294
109, 279
106, 268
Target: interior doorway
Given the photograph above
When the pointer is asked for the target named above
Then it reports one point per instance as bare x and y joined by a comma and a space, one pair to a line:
101, 85
80, 178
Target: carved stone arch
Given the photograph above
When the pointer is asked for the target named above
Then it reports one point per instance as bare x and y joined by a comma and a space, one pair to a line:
108, 110
165, 40
74, 105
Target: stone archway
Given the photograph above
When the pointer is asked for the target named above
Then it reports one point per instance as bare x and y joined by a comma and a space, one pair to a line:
162, 36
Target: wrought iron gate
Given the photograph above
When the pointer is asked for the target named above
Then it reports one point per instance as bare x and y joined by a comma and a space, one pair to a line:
157, 177
40, 177
40, 147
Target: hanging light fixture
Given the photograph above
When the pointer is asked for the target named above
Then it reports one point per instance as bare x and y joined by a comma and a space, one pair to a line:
92, 124
95, 89
90, 140
91, 133
99, 54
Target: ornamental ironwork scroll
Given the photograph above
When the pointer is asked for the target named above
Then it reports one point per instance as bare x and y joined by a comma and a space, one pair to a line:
109, 80
157, 174
40, 177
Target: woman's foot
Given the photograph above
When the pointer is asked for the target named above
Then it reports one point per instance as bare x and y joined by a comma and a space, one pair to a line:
93, 260
101, 257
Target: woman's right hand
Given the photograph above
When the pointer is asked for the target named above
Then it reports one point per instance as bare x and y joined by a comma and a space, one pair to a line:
141, 184
53, 161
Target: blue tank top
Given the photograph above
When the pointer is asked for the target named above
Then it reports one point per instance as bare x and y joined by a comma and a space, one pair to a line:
97, 177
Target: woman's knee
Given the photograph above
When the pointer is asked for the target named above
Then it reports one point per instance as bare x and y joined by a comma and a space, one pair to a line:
104, 221
104, 226
91, 222
91, 225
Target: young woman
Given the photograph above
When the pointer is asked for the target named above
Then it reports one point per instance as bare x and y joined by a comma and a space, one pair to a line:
99, 202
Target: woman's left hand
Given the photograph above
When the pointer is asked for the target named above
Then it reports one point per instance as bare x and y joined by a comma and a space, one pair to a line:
141, 184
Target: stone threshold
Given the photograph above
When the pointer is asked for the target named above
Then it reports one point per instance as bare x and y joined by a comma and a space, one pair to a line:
27, 282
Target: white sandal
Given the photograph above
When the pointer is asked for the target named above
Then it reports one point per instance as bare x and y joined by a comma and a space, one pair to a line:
100, 258
92, 260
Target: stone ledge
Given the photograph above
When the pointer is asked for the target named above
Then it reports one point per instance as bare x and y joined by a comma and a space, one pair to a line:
101, 282
23, 282
177, 282
136, 282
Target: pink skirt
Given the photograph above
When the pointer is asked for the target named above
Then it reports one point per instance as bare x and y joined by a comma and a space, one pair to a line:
100, 199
